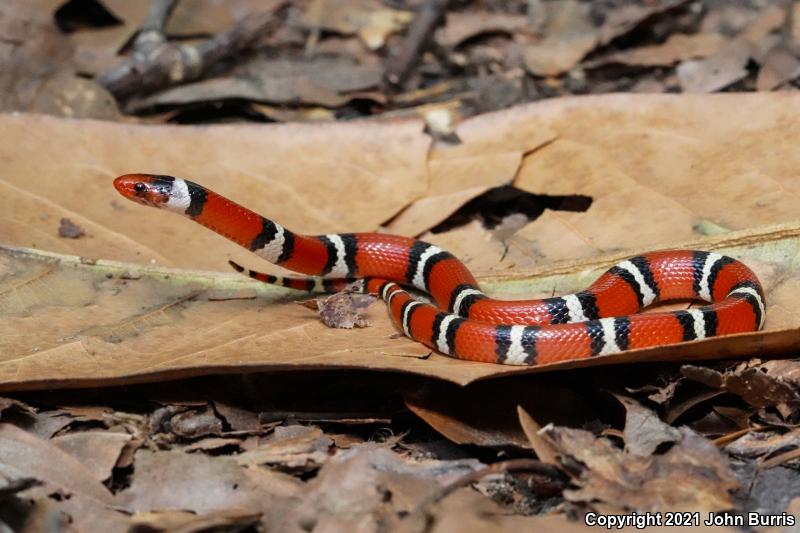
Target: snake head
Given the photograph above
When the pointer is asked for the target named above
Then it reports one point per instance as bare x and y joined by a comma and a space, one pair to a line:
146, 189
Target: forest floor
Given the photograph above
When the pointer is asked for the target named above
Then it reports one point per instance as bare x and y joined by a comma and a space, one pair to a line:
363, 447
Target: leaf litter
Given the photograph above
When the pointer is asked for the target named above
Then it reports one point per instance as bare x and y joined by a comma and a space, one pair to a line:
348, 449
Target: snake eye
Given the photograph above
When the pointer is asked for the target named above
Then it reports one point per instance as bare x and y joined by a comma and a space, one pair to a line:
139, 187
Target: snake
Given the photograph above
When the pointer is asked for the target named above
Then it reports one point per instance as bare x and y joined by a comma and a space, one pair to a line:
462, 321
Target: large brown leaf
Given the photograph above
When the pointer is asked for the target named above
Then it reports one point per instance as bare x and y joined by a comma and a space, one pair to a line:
663, 172
73, 324
323, 179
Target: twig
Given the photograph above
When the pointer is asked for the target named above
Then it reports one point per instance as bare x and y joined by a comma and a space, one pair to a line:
779, 459
528, 465
419, 33
151, 35
168, 64
724, 440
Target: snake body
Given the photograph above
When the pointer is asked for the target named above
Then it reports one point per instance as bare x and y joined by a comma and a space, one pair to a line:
464, 322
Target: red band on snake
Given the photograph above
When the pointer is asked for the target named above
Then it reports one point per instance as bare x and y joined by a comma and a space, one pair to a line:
465, 323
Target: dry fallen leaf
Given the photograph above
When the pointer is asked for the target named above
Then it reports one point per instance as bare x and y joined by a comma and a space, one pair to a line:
569, 36
177, 332
724, 68
69, 229
180, 481
570, 33
224, 520
543, 449
466, 511
191, 424
771, 383
763, 443
297, 447
324, 81
644, 431
97, 450
678, 47
344, 309
642, 176
11, 405
780, 66
32, 50
691, 476
727, 65
668, 164
463, 25
369, 485
359, 176
208, 17
369, 19
24, 455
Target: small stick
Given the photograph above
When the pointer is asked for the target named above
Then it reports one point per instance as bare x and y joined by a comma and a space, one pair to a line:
151, 35
167, 64
780, 459
419, 33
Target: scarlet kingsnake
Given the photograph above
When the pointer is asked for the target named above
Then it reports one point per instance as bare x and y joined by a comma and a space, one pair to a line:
465, 323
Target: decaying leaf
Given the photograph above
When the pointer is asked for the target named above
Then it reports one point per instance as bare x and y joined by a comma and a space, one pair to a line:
771, 383
344, 309
323, 81
627, 17
60, 511
780, 66
97, 450
716, 72
204, 17
295, 447
727, 65
644, 431
691, 476
12, 405
236, 418
192, 424
75, 97
32, 51
180, 481
69, 229
676, 409
210, 444
24, 455
570, 35
229, 519
678, 47
371, 20
370, 485
543, 449
463, 25
713, 424
764, 443
466, 511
